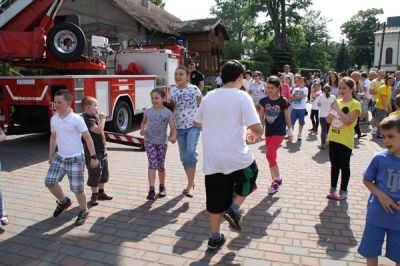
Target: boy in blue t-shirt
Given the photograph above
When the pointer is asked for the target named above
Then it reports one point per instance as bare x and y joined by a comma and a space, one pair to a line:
382, 178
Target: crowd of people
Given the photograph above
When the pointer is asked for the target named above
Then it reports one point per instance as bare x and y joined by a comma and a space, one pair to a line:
246, 106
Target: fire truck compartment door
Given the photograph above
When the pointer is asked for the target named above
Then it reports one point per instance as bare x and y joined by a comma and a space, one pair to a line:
142, 94
103, 96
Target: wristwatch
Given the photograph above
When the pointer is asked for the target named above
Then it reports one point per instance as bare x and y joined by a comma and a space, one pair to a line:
93, 157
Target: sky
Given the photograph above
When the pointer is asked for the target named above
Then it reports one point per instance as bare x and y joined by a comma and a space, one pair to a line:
336, 11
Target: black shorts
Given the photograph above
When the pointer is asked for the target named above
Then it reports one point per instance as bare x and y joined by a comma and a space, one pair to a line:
220, 188
99, 174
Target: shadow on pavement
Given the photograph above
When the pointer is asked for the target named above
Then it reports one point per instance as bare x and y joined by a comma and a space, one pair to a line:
322, 156
292, 146
24, 151
227, 259
334, 230
252, 226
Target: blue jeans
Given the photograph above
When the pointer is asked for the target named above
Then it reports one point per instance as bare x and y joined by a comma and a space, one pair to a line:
187, 141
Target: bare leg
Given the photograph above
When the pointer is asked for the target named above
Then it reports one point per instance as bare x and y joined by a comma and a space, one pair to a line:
372, 262
151, 176
101, 186
81, 197
274, 171
161, 177
96, 189
57, 192
239, 200
190, 172
300, 129
214, 222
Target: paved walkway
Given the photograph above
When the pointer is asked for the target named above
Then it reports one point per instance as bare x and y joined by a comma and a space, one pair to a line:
297, 226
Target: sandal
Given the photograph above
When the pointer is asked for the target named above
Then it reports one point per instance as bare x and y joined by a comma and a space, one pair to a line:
187, 194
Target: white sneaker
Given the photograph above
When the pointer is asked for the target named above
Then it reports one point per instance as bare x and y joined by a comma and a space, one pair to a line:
299, 138
374, 130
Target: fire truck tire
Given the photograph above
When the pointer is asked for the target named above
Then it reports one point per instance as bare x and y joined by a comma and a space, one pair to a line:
122, 118
66, 41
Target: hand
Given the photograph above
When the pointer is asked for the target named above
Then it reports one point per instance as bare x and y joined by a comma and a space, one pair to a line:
335, 106
172, 139
51, 158
94, 163
102, 116
290, 134
250, 137
141, 132
387, 203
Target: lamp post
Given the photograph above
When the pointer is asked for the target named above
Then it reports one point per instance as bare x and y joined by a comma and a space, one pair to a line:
383, 38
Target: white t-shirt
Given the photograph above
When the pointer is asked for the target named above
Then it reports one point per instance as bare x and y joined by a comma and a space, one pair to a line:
257, 91
325, 107
366, 84
225, 114
185, 105
314, 105
246, 83
300, 104
68, 134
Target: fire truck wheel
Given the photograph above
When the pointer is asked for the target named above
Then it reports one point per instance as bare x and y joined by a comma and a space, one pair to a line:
66, 41
122, 118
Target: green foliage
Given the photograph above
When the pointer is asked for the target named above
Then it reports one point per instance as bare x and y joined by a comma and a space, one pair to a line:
263, 66
159, 3
5, 70
233, 49
359, 30
342, 59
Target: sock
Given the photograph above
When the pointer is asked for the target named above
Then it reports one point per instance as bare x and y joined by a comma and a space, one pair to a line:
101, 190
151, 187
234, 207
161, 185
85, 210
215, 235
64, 200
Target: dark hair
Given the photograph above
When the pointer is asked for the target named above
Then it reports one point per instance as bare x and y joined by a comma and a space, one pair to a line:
275, 81
327, 90
364, 75
390, 122
162, 93
66, 94
249, 72
388, 78
337, 79
231, 71
397, 101
349, 82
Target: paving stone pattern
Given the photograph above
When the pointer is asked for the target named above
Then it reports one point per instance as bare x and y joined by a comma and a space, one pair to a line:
296, 226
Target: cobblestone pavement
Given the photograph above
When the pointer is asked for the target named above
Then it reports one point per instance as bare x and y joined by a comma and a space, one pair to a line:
296, 226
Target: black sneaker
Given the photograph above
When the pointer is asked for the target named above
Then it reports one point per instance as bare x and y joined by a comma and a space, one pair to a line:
163, 192
214, 244
82, 216
93, 200
104, 196
233, 218
62, 207
151, 195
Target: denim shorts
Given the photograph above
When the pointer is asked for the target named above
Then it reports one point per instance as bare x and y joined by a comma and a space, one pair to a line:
298, 114
372, 241
73, 167
187, 141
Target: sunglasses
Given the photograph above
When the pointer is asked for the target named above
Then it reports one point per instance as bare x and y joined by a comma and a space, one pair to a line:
256, 75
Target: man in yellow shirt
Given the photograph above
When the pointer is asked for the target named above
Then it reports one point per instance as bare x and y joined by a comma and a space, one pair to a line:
383, 106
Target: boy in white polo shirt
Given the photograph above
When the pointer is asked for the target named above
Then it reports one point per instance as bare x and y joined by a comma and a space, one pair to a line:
67, 128
230, 169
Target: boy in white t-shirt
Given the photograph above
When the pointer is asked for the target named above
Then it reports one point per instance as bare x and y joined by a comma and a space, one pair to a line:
67, 128
229, 167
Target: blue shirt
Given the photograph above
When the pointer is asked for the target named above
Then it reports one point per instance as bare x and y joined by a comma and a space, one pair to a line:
275, 124
384, 171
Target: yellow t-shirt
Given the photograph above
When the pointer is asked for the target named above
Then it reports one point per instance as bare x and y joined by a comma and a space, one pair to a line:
375, 84
397, 112
386, 91
340, 132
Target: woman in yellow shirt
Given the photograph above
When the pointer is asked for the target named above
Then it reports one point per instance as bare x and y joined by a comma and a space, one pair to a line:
342, 118
383, 106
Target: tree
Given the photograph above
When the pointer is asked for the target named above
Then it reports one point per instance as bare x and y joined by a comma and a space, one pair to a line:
159, 3
238, 17
342, 59
359, 30
282, 13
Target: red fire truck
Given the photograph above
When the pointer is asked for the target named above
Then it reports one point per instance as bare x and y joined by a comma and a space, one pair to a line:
31, 35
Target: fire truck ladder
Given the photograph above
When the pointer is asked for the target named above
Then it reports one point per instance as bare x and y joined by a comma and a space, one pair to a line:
124, 139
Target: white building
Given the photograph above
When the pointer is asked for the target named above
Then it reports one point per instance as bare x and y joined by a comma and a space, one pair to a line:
390, 59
